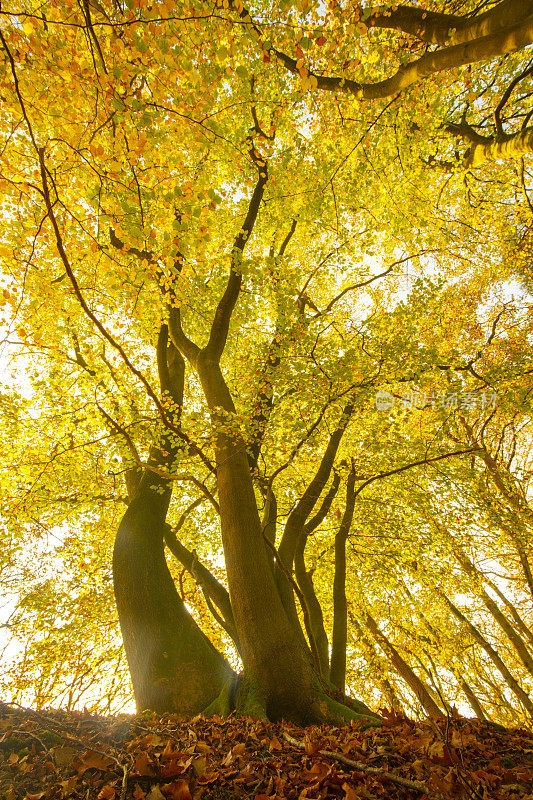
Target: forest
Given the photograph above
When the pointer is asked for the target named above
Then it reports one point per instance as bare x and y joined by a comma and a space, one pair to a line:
266, 364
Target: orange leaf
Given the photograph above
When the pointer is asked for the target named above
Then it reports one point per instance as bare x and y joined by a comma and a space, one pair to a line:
311, 747
350, 792
92, 760
177, 790
143, 766
107, 793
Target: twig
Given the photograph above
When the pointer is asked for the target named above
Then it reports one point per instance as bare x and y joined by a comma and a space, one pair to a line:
417, 786
124, 788
25, 733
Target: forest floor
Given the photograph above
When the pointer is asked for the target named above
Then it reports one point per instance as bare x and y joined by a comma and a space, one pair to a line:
51, 755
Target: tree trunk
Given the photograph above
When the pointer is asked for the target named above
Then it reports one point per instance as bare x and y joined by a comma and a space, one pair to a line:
173, 665
413, 681
339, 637
477, 578
511, 681
314, 610
279, 677
475, 705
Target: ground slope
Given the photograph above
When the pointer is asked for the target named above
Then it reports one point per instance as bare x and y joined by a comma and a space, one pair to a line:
53, 755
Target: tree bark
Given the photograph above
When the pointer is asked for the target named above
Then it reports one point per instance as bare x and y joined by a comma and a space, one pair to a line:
516, 640
475, 705
374, 659
314, 611
437, 28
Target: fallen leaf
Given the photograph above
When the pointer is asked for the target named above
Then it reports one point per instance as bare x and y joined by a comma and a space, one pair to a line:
350, 793
107, 792
143, 765
208, 777
155, 793
92, 760
151, 740
199, 766
64, 756
311, 746
178, 790
68, 786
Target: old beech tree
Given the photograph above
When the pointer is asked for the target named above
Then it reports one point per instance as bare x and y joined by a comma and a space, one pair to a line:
207, 206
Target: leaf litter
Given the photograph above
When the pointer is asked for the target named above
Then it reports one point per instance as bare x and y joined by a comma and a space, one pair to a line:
54, 755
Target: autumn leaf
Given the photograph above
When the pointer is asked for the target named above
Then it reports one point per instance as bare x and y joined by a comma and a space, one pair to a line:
143, 765
107, 792
177, 790
92, 760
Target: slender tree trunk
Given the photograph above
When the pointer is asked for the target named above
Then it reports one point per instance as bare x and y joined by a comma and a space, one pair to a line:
339, 637
475, 705
519, 622
374, 659
526, 567
516, 640
416, 685
495, 692
314, 611
511, 681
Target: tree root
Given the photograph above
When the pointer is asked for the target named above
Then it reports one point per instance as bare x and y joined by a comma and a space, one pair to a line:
338, 712
240, 694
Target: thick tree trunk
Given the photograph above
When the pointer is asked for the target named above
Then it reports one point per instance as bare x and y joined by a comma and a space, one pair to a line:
173, 666
279, 676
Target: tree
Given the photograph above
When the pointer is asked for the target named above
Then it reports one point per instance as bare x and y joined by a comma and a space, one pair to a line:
217, 226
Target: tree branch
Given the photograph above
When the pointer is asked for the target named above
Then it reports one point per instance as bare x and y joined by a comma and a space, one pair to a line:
305, 505
221, 321
206, 580
437, 28
487, 47
415, 464
171, 369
